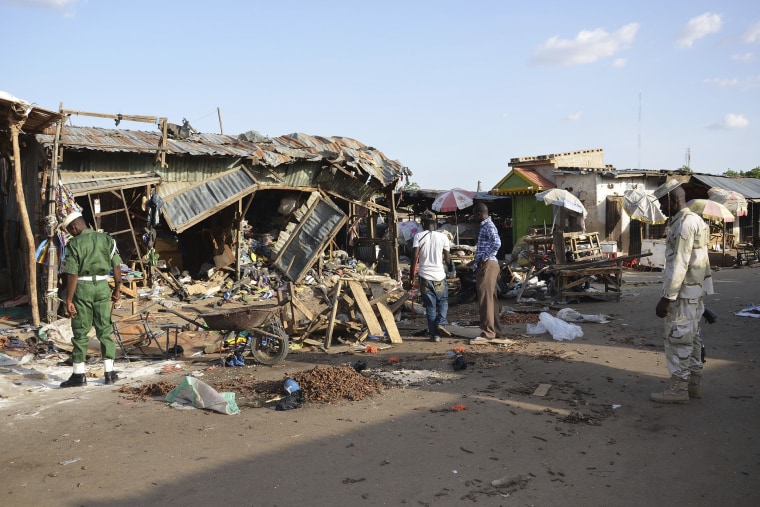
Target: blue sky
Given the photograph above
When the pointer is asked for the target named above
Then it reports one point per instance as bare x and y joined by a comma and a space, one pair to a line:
453, 90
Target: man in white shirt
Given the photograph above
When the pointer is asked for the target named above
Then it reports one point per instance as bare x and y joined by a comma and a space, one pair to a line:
431, 255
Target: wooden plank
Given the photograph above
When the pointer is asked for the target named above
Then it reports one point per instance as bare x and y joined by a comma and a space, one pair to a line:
301, 307
390, 322
126, 290
542, 390
525, 283
369, 314
333, 312
400, 302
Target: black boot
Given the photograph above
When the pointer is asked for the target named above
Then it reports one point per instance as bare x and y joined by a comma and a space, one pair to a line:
111, 377
75, 380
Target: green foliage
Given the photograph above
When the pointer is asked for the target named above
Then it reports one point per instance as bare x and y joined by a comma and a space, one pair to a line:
411, 185
684, 169
752, 173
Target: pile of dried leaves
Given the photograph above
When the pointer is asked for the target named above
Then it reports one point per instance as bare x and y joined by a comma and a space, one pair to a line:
518, 318
147, 391
327, 384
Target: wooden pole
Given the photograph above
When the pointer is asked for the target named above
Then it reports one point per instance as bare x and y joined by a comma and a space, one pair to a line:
219, 114
15, 126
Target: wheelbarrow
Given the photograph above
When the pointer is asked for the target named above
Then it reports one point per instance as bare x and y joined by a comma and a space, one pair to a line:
269, 342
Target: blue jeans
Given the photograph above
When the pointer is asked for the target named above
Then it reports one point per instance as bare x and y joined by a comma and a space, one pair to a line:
435, 298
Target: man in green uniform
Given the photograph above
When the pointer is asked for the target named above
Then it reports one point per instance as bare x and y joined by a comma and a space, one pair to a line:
90, 255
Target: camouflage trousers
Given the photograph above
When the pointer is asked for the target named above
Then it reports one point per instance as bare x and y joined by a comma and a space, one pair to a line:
683, 337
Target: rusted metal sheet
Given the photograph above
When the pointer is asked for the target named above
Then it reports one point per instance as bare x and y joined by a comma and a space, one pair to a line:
190, 206
81, 184
301, 242
241, 318
272, 152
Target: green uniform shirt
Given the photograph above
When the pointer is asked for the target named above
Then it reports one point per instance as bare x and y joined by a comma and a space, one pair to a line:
91, 253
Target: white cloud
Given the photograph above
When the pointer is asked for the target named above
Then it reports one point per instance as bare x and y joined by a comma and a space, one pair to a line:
731, 121
587, 47
744, 84
752, 35
575, 116
699, 27
619, 63
67, 7
744, 57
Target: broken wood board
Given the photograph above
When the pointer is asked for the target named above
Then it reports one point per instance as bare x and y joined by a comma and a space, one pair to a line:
542, 390
369, 314
390, 323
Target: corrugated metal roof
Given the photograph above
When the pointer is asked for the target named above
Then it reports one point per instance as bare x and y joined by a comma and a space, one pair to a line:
748, 187
83, 183
189, 206
37, 119
269, 151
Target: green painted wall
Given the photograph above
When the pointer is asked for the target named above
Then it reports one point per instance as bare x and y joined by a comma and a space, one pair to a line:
528, 212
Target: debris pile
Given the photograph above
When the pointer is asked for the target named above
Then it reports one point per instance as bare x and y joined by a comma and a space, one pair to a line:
147, 391
328, 384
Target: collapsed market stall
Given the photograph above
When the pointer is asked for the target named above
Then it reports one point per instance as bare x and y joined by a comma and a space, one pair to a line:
222, 209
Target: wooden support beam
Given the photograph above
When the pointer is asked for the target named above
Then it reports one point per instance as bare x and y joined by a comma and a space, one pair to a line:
369, 314
333, 312
390, 323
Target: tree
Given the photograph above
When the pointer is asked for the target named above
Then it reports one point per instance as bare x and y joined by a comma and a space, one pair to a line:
411, 185
752, 173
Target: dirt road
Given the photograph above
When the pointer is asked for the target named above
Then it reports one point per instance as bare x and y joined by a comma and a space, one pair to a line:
594, 440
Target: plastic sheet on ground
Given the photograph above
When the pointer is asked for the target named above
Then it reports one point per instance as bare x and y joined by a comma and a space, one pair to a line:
570, 315
558, 328
198, 394
751, 311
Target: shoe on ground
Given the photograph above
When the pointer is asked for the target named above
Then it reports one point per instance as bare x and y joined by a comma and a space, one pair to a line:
695, 385
75, 380
677, 392
480, 340
435, 339
444, 332
111, 377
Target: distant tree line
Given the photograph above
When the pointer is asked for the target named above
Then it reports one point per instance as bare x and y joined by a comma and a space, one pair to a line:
752, 173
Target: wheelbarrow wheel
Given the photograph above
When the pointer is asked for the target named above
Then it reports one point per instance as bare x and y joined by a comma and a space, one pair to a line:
269, 350
271, 346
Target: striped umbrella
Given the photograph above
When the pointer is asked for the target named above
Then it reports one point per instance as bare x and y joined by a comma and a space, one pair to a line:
734, 201
710, 209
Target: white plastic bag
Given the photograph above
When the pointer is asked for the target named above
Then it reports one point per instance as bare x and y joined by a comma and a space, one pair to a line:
558, 328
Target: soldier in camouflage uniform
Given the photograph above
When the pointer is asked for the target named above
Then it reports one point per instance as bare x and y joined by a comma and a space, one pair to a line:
90, 255
686, 278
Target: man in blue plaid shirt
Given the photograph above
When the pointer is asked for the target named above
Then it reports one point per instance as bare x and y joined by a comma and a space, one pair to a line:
486, 268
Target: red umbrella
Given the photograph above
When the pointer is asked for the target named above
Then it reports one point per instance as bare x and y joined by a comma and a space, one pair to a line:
453, 200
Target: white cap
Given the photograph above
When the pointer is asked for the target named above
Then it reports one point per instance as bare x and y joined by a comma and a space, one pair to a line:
70, 218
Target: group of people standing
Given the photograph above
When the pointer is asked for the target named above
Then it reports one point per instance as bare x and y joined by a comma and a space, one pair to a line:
687, 277
92, 256
430, 259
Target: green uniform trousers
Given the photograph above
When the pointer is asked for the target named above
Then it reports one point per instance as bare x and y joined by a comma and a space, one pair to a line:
93, 303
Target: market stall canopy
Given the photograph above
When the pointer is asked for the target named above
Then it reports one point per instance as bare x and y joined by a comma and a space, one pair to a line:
734, 201
563, 199
710, 209
643, 206
453, 200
